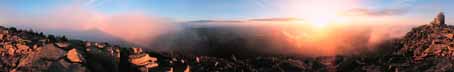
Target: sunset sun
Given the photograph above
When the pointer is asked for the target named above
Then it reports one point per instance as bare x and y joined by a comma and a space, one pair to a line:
322, 21
319, 13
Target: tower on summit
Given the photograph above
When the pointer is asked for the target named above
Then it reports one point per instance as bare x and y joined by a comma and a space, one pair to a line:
439, 20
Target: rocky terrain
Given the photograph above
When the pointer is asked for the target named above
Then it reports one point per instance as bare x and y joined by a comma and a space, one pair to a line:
425, 48
26, 51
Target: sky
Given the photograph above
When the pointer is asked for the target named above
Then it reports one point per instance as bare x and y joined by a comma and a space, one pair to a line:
236, 9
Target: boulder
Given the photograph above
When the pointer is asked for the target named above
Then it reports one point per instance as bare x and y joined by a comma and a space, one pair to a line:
22, 49
1, 36
449, 36
87, 44
188, 69
100, 45
10, 49
51, 52
74, 56
62, 44
136, 50
142, 60
2, 51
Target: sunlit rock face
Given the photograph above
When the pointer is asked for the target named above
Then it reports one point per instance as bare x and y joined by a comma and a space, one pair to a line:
23, 50
427, 41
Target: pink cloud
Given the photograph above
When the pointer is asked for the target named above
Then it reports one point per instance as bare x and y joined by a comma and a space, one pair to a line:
134, 26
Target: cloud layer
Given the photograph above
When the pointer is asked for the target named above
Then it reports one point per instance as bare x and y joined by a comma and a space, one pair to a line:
277, 36
379, 12
133, 26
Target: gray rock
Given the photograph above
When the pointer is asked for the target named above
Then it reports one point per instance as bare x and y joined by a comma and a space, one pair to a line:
51, 52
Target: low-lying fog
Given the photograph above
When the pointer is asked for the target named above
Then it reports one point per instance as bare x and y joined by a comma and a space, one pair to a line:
212, 37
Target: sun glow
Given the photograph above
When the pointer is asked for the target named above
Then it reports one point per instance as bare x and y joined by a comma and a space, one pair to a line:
319, 19
319, 13
320, 22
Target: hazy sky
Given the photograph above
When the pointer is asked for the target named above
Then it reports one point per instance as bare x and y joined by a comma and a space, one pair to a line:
239, 9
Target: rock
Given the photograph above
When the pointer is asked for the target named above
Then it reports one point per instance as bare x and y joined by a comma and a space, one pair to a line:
87, 44
197, 59
100, 45
25, 51
62, 44
152, 65
188, 69
35, 46
64, 66
170, 70
88, 49
10, 49
100, 60
22, 49
51, 52
449, 36
28, 59
2, 51
216, 64
144, 60
1, 36
113, 51
136, 50
74, 56
117, 53
43, 59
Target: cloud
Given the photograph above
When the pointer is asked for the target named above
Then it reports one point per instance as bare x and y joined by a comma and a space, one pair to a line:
136, 27
275, 19
277, 36
375, 12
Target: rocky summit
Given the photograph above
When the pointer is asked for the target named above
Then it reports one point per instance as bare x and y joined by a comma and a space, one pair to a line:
425, 48
428, 48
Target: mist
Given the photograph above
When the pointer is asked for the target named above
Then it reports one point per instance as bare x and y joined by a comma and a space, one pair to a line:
276, 36
269, 36
132, 27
